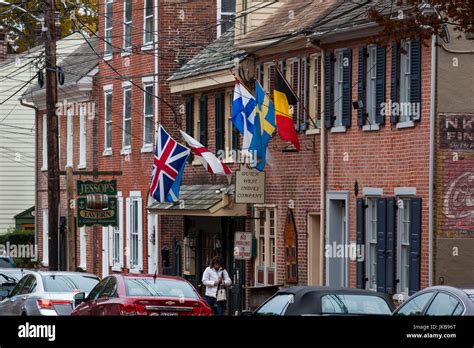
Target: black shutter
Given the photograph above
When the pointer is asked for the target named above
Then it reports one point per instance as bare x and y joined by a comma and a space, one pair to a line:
380, 85
203, 120
395, 84
347, 88
415, 92
360, 241
415, 245
390, 252
190, 116
329, 96
381, 243
361, 86
219, 114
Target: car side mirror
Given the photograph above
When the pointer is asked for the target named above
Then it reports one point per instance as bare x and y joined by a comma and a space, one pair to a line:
79, 298
4, 294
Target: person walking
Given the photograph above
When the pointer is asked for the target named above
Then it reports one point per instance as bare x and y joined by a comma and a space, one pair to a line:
216, 279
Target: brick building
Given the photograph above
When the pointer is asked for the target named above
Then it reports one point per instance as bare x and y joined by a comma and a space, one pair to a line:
76, 109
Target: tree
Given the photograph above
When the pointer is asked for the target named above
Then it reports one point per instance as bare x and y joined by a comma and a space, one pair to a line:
23, 29
425, 17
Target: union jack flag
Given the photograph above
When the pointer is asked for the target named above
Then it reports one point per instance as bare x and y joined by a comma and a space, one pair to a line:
170, 159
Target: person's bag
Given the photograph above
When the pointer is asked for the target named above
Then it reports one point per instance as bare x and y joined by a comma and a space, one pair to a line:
222, 292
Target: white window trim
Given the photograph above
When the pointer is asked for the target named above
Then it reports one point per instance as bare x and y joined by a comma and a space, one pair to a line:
126, 150
127, 50
83, 248
107, 90
147, 82
108, 55
134, 196
118, 267
45, 143
267, 264
220, 13
70, 139
147, 45
45, 237
82, 139
338, 129
371, 127
405, 124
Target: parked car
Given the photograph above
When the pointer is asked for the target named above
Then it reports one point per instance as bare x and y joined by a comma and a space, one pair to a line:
318, 300
132, 294
439, 300
9, 277
7, 262
46, 293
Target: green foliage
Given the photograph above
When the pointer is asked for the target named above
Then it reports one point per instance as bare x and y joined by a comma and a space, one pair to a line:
23, 28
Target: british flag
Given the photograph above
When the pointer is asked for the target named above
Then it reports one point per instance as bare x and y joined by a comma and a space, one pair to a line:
170, 159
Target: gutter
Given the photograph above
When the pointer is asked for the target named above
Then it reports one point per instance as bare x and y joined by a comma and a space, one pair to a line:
322, 178
432, 154
36, 168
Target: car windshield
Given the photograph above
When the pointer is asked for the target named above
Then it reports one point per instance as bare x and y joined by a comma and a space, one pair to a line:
69, 283
6, 262
6, 277
354, 304
148, 287
277, 305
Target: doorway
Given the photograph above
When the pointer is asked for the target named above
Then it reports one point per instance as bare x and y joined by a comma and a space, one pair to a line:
337, 262
314, 250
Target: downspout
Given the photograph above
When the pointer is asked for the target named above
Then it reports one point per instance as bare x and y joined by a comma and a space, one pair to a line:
322, 178
36, 169
156, 89
432, 154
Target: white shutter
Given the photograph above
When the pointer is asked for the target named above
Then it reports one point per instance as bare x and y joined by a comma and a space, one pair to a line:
45, 237
111, 232
105, 258
121, 230
140, 234
128, 231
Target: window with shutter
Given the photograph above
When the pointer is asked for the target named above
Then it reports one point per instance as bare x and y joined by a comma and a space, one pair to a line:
380, 85
405, 81
219, 120
390, 247
360, 225
371, 243
338, 87
403, 238
329, 96
295, 83
314, 97
415, 246
395, 83
361, 86
203, 120
304, 101
381, 243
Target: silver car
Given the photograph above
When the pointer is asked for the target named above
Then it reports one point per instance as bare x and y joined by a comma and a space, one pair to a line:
47, 293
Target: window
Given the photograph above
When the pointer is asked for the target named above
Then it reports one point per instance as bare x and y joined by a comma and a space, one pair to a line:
168, 288
110, 289
403, 236
243, 18
295, 83
45, 142
117, 238
108, 27
405, 79
315, 93
354, 304
415, 306
127, 29
444, 304
148, 124
82, 138
276, 305
127, 120
108, 122
268, 81
69, 282
134, 232
69, 139
148, 23
203, 120
95, 292
371, 84
371, 244
266, 241
220, 121
83, 248
338, 85
225, 15
45, 237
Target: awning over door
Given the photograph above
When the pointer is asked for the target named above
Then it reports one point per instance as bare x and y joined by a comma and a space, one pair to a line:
202, 200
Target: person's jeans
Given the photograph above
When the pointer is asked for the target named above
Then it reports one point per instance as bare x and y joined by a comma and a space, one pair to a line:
211, 301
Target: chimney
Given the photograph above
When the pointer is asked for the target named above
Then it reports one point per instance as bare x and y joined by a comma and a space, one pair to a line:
3, 46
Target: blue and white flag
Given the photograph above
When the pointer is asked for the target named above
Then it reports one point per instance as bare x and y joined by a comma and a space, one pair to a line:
243, 113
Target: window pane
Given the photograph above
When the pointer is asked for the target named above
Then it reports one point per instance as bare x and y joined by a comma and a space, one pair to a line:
276, 306
149, 100
108, 110
69, 283
228, 6
149, 130
443, 304
128, 10
414, 306
149, 8
354, 304
148, 287
108, 142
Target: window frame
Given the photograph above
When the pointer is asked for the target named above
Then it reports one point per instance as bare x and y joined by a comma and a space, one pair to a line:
148, 83
221, 14
127, 25
44, 167
117, 238
147, 44
371, 85
263, 262
126, 148
135, 262
82, 138
314, 92
108, 91
402, 283
108, 37
338, 86
369, 241
405, 79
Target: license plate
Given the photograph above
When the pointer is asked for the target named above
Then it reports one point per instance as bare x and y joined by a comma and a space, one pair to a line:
169, 314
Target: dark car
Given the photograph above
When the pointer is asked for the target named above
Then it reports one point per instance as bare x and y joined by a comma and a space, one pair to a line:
141, 294
7, 262
439, 300
316, 300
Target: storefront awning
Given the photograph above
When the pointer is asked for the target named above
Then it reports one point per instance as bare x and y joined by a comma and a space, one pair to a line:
202, 200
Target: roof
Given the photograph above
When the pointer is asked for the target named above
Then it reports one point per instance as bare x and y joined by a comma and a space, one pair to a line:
218, 56
25, 214
301, 290
195, 197
304, 14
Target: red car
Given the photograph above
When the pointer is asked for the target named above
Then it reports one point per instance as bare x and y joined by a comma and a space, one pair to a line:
137, 294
